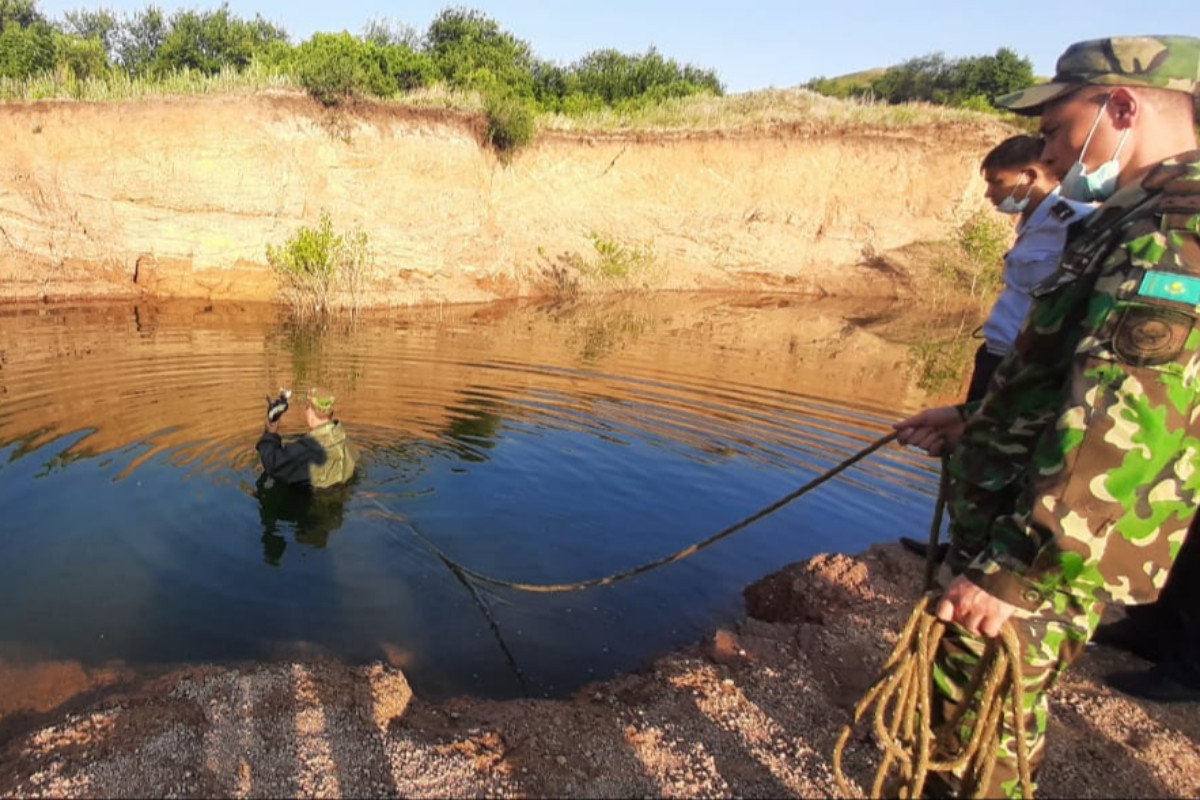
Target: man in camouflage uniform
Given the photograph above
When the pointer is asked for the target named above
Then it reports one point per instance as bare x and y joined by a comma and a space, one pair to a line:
1075, 478
321, 458
1166, 632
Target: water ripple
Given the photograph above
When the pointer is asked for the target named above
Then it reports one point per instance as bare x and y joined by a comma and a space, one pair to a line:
542, 445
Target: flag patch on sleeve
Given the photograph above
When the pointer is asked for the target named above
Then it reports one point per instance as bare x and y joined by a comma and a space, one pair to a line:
1172, 286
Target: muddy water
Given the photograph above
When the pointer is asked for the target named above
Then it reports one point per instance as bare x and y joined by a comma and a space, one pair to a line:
540, 444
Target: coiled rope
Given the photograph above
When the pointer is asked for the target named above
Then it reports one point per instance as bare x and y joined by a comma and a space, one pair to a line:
682, 554
903, 701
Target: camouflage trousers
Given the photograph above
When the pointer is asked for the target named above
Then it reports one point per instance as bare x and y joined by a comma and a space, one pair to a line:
1051, 639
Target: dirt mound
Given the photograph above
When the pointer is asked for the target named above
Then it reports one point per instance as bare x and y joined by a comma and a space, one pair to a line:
827, 584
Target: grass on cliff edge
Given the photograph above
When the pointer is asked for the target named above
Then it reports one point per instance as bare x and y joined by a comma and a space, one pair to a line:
749, 110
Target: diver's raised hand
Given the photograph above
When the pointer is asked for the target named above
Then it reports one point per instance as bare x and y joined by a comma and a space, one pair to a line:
277, 407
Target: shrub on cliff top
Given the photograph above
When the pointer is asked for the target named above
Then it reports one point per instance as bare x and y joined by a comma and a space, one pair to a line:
510, 121
615, 79
335, 67
472, 51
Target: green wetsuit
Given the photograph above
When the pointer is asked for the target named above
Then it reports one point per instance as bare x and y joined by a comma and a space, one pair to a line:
321, 458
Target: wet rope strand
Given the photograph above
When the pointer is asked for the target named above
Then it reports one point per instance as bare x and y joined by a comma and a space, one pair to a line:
679, 556
902, 698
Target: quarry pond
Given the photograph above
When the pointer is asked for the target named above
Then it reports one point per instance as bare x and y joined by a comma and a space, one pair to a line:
536, 443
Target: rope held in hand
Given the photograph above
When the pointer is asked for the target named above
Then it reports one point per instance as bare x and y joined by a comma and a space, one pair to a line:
903, 701
682, 554
935, 527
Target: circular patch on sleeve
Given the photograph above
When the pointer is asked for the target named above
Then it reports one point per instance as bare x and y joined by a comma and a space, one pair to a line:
1147, 336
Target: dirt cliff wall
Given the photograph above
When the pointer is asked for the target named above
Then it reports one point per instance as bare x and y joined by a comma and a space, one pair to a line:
179, 198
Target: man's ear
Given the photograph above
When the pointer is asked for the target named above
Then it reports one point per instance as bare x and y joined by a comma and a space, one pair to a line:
1040, 175
1124, 106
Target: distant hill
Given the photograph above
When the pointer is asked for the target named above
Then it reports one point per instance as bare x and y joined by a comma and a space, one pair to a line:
848, 84
970, 82
864, 77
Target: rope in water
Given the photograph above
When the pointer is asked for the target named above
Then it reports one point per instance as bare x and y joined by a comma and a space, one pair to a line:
682, 554
904, 689
903, 701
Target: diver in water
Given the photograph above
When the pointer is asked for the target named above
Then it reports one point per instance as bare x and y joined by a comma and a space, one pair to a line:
305, 482
321, 458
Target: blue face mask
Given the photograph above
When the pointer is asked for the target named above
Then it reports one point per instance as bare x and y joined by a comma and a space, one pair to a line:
1079, 184
1011, 205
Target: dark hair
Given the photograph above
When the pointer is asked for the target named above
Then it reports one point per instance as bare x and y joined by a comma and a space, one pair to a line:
1014, 152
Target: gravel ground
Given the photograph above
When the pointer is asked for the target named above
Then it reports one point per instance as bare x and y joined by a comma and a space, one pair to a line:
753, 711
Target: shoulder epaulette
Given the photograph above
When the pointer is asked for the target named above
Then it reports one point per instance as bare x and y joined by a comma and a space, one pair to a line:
1062, 211
1178, 180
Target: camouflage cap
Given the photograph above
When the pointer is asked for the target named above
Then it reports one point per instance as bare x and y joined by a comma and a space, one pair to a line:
1161, 62
321, 399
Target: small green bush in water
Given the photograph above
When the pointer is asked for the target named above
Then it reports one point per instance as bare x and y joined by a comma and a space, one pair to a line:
318, 268
618, 265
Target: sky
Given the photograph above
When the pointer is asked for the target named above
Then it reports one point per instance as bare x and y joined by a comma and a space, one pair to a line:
752, 44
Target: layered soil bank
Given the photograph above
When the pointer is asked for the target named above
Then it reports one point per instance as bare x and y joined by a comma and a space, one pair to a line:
753, 711
180, 197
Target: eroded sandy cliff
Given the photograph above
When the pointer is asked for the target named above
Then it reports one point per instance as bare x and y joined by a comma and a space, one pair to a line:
179, 197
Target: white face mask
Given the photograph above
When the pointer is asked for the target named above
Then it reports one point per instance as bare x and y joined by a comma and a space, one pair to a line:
1079, 184
1011, 205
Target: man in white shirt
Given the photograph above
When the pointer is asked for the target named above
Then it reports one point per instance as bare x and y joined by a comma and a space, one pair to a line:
1017, 183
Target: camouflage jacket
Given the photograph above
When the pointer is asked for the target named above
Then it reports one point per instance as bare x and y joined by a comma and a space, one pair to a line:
1078, 472
322, 457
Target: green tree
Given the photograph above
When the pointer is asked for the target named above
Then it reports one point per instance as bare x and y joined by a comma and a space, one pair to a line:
23, 12
471, 50
336, 66
138, 38
922, 78
958, 82
207, 41
838, 87
406, 67
385, 33
551, 84
1002, 73
81, 58
26, 40
99, 24
609, 77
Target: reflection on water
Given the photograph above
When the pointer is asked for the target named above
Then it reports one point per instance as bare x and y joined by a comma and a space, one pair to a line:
308, 515
542, 445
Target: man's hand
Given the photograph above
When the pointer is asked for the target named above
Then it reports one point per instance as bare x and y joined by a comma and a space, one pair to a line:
973, 608
272, 427
934, 430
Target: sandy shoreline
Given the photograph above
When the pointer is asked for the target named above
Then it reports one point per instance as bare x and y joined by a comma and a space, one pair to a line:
752, 711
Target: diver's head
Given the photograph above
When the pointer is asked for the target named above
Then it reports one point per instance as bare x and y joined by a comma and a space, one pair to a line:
318, 406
